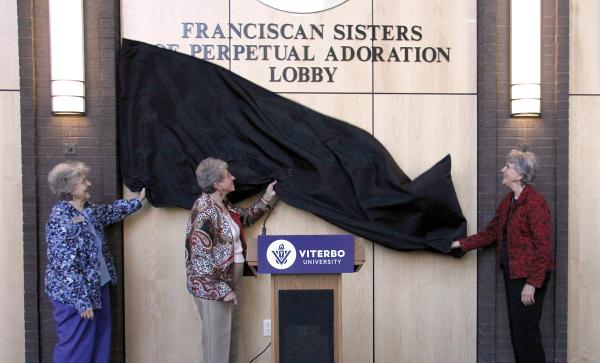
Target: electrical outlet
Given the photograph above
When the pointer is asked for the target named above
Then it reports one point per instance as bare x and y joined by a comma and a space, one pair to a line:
267, 327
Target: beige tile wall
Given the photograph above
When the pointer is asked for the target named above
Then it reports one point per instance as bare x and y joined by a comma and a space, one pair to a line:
584, 52
584, 178
426, 304
443, 24
584, 213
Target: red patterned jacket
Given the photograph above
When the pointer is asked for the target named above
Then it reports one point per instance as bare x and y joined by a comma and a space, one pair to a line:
209, 245
529, 236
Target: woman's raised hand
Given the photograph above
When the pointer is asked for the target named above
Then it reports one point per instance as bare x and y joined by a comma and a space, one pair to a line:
141, 195
270, 192
455, 244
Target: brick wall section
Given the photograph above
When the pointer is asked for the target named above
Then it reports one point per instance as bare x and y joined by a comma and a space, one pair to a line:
548, 137
43, 141
30, 237
561, 115
486, 176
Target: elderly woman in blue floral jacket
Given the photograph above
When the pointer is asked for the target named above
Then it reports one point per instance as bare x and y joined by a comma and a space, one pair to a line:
80, 265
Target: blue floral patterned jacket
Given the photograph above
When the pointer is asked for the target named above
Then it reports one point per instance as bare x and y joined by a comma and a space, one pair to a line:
73, 270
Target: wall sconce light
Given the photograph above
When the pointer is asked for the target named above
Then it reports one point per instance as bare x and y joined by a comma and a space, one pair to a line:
525, 58
67, 57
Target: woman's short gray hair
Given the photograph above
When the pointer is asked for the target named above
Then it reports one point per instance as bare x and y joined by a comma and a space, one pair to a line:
524, 163
64, 176
209, 172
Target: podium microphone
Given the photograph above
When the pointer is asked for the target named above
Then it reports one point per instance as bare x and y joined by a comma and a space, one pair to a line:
264, 226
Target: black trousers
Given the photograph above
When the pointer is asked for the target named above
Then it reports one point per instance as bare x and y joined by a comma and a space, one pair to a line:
524, 320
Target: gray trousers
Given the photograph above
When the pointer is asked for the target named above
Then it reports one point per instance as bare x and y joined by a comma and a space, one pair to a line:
220, 324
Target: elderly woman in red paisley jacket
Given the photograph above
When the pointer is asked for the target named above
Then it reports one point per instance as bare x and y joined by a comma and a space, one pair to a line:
522, 233
215, 256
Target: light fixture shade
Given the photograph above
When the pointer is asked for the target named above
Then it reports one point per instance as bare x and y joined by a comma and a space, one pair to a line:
525, 57
67, 56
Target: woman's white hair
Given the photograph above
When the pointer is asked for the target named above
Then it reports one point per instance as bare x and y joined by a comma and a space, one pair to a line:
209, 172
525, 163
64, 176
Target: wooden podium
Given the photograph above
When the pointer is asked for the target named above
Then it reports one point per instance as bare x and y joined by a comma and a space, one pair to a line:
287, 282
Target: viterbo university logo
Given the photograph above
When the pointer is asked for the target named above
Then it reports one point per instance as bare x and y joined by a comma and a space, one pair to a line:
281, 254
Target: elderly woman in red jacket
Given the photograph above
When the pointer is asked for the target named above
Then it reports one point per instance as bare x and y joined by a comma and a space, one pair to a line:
522, 233
215, 257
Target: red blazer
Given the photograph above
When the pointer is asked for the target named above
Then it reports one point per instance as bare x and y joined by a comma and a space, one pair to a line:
529, 242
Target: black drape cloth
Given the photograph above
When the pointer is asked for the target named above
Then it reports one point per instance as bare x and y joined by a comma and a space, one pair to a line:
176, 110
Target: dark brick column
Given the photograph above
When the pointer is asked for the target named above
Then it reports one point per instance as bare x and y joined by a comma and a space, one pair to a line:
560, 84
498, 132
43, 139
28, 150
487, 177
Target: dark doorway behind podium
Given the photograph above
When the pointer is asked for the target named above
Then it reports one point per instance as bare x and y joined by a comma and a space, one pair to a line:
306, 326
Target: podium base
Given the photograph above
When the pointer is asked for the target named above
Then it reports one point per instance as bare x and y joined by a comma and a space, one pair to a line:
322, 285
